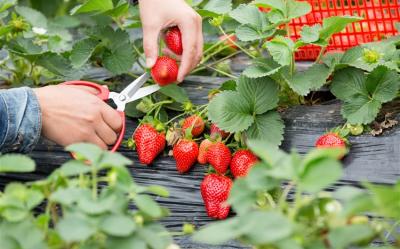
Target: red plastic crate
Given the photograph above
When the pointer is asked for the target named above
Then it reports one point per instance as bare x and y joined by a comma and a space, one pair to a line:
379, 21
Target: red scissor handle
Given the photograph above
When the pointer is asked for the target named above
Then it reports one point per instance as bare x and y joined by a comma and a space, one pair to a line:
102, 93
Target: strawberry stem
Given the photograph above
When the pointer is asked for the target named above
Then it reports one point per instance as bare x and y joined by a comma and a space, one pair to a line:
234, 43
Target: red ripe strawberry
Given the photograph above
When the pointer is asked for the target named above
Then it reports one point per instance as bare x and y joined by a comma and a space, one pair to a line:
215, 131
228, 40
241, 162
173, 40
219, 156
331, 140
185, 153
215, 191
195, 123
164, 71
149, 143
202, 159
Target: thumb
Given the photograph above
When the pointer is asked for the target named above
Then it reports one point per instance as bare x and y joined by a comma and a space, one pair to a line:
150, 45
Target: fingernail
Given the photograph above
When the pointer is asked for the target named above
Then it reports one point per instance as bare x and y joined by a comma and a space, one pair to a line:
150, 62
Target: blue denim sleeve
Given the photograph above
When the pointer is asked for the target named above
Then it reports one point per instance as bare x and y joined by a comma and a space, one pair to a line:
20, 120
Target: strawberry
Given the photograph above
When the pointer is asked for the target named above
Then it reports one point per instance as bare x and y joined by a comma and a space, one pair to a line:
164, 71
215, 191
331, 140
241, 162
215, 131
185, 153
202, 159
219, 156
149, 143
173, 40
228, 40
195, 123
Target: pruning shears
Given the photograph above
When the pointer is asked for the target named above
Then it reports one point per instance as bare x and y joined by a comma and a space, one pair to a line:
131, 93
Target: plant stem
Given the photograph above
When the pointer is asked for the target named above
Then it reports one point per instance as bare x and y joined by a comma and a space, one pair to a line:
321, 53
215, 62
285, 194
270, 200
234, 43
94, 182
223, 73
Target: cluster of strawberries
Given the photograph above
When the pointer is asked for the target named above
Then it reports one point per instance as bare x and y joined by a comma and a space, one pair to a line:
150, 140
216, 186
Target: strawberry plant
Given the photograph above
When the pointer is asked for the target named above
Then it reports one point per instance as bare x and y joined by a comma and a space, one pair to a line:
282, 203
80, 205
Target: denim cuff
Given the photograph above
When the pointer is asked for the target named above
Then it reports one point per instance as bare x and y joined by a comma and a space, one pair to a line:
20, 120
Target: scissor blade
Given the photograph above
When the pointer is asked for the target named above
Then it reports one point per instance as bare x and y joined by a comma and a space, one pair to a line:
133, 87
144, 91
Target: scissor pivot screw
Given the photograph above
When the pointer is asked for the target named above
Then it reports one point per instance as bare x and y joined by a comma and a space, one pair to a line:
122, 97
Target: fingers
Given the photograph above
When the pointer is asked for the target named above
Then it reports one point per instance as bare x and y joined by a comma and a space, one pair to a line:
95, 139
150, 43
192, 46
106, 134
112, 118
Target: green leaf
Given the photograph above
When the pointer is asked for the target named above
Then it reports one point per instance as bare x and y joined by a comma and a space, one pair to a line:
82, 51
230, 111
68, 196
228, 85
74, 228
311, 79
219, 232
310, 34
314, 177
175, 92
24, 234
363, 95
131, 110
247, 33
155, 235
342, 237
249, 14
348, 82
74, 167
289, 9
385, 199
148, 206
219, 6
34, 17
268, 127
88, 151
335, 24
111, 159
119, 60
274, 227
25, 48
383, 84
262, 67
93, 6
297, 8
125, 242
118, 225
158, 190
16, 163
360, 109
59, 66
260, 93
6, 4
281, 49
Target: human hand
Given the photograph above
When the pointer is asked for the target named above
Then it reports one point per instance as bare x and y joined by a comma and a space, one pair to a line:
157, 15
73, 114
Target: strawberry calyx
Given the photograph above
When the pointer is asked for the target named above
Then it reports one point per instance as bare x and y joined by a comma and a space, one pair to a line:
155, 123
